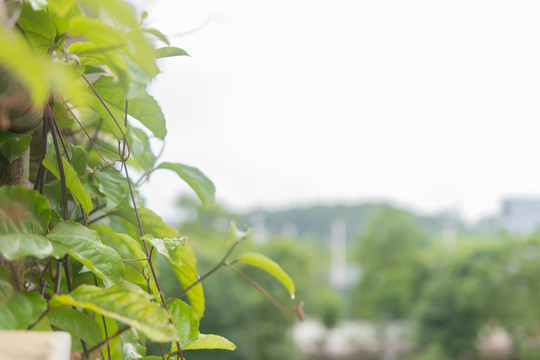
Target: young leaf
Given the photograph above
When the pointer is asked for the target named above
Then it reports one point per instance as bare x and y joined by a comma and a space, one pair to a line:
235, 234
123, 302
203, 187
13, 145
184, 264
77, 323
271, 267
158, 34
81, 196
19, 309
210, 341
24, 217
186, 322
85, 245
169, 51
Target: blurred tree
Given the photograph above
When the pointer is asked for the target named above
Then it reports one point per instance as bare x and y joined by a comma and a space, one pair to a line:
486, 283
389, 253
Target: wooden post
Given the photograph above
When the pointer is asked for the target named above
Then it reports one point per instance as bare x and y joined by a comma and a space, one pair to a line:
32, 345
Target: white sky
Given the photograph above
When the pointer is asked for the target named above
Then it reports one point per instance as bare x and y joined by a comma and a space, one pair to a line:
433, 104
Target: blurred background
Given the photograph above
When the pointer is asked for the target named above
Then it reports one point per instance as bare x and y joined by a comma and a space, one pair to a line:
384, 152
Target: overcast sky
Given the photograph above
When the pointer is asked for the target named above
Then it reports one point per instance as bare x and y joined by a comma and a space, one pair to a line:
431, 104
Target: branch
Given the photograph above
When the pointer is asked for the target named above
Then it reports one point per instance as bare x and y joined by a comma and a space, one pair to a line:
298, 308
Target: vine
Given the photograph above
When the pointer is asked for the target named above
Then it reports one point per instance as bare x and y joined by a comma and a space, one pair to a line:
77, 245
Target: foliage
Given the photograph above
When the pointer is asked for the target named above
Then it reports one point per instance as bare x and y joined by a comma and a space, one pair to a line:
79, 250
389, 253
484, 285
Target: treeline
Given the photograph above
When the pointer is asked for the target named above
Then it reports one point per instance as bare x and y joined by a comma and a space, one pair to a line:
445, 283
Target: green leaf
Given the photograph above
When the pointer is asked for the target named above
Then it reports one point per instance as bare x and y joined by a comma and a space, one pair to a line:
186, 322
13, 145
128, 55
61, 7
38, 27
123, 302
141, 150
85, 245
24, 217
81, 196
153, 225
211, 342
271, 267
37, 73
169, 51
129, 248
182, 260
203, 187
79, 157
143, 108
77, 323
131, 346
158, 34
121, 11
113, 184
23, 64
19, 309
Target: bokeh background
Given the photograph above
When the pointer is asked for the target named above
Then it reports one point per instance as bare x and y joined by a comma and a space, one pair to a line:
384, 152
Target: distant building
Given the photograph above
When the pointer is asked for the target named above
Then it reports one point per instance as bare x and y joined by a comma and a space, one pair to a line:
520, 216
342, 274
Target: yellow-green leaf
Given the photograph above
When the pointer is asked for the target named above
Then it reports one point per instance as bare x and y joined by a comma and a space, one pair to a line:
271, 267
123, 302
169, 51
85, 245
202, 185
210, 341
81, 196
184, 264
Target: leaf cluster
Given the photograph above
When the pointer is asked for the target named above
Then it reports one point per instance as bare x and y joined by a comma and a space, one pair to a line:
77, 245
